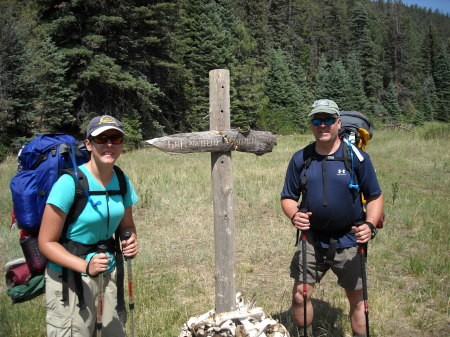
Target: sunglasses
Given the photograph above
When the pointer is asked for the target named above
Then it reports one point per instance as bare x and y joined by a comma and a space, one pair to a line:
103, 139
328, 121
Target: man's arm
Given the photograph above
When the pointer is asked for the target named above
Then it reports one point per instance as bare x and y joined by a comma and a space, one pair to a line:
289, 207
374, 210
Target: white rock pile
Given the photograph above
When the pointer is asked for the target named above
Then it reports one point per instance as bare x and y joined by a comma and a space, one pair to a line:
246, 321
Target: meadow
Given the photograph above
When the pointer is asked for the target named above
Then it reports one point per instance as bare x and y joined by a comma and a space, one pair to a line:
408, 261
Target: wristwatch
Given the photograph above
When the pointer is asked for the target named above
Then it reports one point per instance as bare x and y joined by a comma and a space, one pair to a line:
372, 228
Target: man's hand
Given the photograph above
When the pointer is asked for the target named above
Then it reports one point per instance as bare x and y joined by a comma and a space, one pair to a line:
300, 220
363, 233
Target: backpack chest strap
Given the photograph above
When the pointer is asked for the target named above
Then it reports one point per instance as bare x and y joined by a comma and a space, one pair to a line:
108, 193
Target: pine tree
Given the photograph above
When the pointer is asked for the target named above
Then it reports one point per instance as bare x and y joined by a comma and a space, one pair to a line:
442, 82
284, 112
305, 97
333, 83
17, 80
357, 96
371, 67
358, 23
398, 47
391, 104
106, 76
340, 85
246, 81
428, 99
323, 86
203, 45
429, 50
54, 104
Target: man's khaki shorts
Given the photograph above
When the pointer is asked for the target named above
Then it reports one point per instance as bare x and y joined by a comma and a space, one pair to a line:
346, 265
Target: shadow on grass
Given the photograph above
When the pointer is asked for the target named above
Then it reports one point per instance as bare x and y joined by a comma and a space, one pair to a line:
326, 320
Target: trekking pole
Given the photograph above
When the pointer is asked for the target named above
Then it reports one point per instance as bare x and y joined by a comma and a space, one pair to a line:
126, 236
98, 323
362, 254
304, 272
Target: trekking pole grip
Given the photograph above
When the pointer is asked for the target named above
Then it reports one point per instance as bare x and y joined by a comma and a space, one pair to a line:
102, 249
303, 210
125, 237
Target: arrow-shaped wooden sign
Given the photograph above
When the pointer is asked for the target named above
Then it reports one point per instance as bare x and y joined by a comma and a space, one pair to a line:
257, 142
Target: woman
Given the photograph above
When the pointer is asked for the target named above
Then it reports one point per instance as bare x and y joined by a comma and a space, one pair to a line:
74, 264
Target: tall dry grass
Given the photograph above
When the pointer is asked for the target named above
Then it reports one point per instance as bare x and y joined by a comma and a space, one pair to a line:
408, 262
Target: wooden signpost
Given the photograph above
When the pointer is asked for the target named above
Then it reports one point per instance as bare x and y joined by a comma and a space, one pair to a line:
220, 141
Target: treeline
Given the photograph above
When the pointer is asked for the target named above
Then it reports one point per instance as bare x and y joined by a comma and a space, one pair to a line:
147, 63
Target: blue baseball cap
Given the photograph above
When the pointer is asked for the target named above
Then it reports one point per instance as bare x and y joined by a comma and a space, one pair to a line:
100, 124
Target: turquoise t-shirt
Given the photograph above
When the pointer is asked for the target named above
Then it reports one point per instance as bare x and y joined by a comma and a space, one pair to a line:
93, 224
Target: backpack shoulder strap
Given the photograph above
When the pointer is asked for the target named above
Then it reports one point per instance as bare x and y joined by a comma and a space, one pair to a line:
80, 200
122, 180
308, 155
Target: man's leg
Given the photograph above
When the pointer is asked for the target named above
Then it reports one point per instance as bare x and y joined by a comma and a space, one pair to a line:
297, 304
356, 314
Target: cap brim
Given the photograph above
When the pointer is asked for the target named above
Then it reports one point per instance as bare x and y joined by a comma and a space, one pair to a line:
324, 109
98, 131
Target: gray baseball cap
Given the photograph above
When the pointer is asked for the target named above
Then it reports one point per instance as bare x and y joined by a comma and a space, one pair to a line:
324, 106
100, 124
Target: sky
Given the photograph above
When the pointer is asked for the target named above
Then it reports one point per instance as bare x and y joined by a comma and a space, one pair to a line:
442, 5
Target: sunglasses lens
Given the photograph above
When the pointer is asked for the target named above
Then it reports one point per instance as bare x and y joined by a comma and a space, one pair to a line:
103, 139
100, 139
116, 139
327, 122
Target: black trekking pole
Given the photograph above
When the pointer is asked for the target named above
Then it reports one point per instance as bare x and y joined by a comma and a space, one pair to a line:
362, 247
126, 236
304, 272
100, 290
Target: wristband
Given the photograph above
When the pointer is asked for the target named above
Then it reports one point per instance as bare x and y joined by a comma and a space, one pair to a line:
87, 270
292, 219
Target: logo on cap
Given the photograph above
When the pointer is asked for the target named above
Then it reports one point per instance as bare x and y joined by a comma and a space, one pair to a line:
321, 102
107, 119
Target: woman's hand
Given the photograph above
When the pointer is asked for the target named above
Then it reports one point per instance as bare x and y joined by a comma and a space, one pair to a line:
130, 246
97, 264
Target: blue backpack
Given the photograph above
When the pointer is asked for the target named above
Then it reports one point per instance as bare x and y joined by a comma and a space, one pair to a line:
41, 162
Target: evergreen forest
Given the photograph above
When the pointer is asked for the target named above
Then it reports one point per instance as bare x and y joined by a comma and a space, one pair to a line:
147, 63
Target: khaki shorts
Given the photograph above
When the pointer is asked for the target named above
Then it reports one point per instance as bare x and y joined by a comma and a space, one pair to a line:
346, 265
65, 319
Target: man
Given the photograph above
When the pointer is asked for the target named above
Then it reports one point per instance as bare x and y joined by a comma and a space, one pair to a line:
331, 207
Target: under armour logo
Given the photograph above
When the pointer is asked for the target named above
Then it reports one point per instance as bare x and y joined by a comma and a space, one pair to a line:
341, 172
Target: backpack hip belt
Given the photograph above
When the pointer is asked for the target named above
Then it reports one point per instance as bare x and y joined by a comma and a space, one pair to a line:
81, 250
332, 245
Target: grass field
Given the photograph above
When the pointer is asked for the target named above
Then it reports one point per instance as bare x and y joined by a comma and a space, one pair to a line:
408, 263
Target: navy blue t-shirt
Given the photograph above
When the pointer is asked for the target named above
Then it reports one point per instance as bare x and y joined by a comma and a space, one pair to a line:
343, 206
